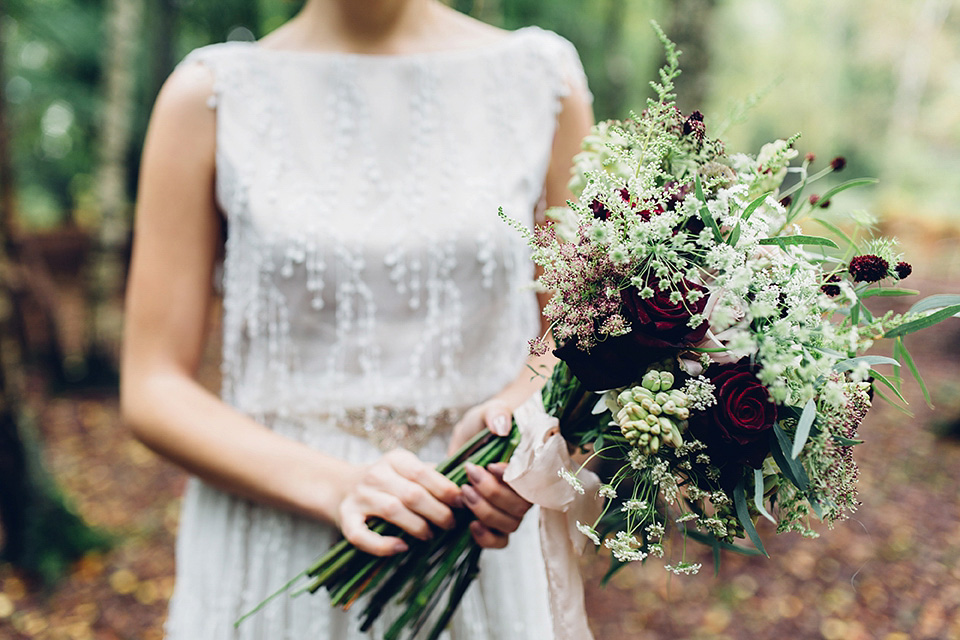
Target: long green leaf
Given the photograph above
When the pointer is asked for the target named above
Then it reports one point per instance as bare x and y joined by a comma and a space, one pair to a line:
743, 515
780, 446
705, 214
893, 404
753, 206
803, 427
851, 363
758, 495
908, 360
935, 302
849, 184
877, 376
836, 230
886, 293
801, 239
924, 322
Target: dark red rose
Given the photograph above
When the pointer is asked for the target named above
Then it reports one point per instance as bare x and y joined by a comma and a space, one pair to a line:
736, 428
662, 320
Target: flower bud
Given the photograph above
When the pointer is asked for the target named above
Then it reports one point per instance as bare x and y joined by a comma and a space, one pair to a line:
651, 380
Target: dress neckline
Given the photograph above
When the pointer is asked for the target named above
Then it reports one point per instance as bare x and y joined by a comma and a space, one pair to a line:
480, 50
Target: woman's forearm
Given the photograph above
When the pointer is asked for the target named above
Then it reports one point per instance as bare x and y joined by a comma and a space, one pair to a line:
176, 417
530, 380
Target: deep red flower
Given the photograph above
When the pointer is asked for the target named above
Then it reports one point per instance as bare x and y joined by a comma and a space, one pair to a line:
868, 268
662, 320
736, 428
903, 269
694, 126
838, 163
599, 210
831, 289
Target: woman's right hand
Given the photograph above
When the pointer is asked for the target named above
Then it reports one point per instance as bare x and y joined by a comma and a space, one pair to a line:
400, 489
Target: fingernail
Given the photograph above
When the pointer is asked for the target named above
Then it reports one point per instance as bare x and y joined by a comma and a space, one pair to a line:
473, 472
458, 501
470, 494
501, 425
497, 468
400, 547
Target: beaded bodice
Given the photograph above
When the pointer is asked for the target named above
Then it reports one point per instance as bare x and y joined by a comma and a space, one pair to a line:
367, 274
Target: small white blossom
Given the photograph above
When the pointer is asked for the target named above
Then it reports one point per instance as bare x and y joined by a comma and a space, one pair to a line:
699, 392
684, 568
572, 480
589, 531
608, 492
625, 547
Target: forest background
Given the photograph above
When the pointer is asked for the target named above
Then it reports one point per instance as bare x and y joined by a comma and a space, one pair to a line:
876, 81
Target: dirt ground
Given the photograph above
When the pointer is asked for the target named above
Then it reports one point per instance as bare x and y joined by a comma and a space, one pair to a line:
892, 572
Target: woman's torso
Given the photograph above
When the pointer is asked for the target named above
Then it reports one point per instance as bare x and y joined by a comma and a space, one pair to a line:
368, 275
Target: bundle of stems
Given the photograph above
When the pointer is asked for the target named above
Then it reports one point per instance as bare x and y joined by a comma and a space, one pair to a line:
445, 564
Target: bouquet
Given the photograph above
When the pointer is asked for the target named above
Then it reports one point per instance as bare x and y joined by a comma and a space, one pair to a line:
712, 354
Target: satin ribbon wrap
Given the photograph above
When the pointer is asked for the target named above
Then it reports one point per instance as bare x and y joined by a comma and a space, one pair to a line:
532, 473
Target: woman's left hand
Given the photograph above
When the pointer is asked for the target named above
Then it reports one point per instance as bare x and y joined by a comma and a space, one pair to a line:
498, 508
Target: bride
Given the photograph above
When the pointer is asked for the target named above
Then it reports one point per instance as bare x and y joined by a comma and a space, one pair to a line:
376, 309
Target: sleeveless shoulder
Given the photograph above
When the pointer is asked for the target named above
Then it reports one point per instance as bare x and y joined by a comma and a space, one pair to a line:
226, 61
560, 59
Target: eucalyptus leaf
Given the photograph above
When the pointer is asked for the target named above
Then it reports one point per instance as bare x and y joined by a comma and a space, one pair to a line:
793, 470
799, 239
887, 293
837, 230
803, 427
758, 495
924, 322
743, 515
879, 377
851, 363
935, 302
849, 184
908, 360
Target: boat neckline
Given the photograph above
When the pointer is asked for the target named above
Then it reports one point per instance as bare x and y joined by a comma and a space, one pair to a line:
490, 46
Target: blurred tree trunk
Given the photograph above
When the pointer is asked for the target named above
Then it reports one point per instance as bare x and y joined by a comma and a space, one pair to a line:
40, 533
612, 94
690, 30
163, 21
107, 263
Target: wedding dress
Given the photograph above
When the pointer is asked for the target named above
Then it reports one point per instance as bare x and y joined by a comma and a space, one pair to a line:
371, 294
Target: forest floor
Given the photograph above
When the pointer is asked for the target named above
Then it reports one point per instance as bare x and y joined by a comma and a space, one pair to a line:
891, 572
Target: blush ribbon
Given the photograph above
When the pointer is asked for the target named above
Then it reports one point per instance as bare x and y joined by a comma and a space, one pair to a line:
533, 473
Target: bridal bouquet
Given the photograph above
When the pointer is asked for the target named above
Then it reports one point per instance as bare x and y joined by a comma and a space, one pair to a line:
712, 362
725, 343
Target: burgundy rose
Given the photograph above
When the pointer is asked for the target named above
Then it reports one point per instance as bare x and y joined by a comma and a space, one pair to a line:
663, 321
737, 427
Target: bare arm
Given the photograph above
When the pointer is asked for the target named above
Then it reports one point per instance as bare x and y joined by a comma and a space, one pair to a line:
168, 299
